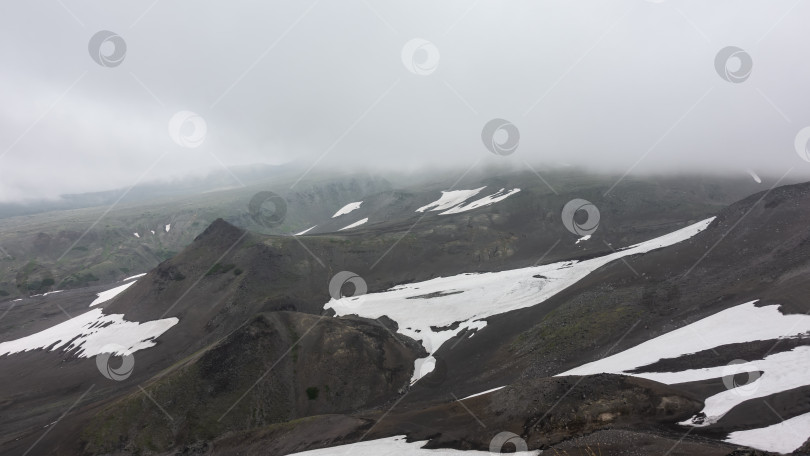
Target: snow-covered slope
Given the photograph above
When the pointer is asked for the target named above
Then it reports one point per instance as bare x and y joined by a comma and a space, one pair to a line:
396, 446
455, 201
744, 323
468, 299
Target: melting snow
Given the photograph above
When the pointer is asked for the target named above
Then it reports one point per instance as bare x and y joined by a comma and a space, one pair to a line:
478, 296
347, 208
105, 296
305, 231
783, 437
744, 323
138, 276
500, 195
450, 199
90, 332
395, 446
355, 224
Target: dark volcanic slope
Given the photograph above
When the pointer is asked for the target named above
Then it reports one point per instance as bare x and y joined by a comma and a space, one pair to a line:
242, 298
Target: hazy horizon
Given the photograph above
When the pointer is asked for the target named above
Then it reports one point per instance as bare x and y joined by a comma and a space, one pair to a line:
634, 86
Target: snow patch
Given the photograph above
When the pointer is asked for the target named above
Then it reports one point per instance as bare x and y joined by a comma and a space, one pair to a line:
167, 227
137, 235
583, 238
450, 199
105, 296
396, 446
90, 332
500, 195
495, 293
355, 224
305, 231
784, 437
348, 208
484, 392
138, 276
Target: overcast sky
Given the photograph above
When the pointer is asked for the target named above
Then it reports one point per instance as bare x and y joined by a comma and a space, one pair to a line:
613, 85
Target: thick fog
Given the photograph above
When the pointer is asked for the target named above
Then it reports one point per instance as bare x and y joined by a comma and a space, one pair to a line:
100, 95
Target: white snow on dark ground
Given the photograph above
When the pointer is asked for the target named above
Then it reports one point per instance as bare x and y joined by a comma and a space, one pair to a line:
90, 332
454, 202
355, 224
450, 199
583, 238
348, 208
500, 195
782, 437
744, 323
136, 235
395, 446
470, 298
168, 227
137, 276
483, 392
105, 296
305, 231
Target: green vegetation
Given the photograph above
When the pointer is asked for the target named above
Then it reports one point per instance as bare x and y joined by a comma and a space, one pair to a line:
237, 271
4, 293
312, 393
220, 268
